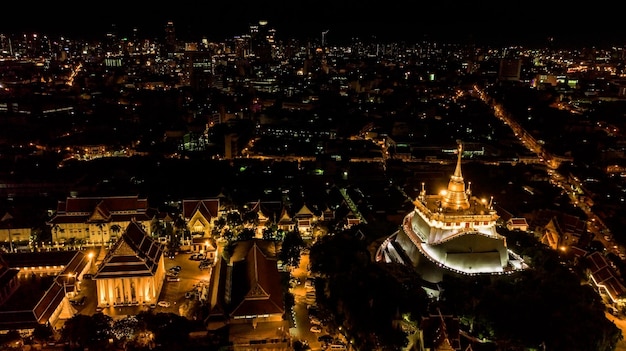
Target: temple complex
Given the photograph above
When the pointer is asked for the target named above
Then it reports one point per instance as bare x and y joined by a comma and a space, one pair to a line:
451, 232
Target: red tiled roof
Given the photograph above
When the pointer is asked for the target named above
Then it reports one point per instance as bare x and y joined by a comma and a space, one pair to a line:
208, 208
31, 305
578, 252
257, 284
122, 208
134, 254
604, 275
114, 203
268, 209
597, 261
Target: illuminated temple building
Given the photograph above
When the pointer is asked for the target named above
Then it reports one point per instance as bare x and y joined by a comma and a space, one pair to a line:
452, 232
133, 270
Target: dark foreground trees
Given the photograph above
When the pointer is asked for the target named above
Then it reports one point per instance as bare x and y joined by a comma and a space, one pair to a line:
545, 306
368, 299
147, 330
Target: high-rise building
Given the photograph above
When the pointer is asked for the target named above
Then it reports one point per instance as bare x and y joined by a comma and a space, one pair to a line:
170, 37
451, 232
261, 40
510, 69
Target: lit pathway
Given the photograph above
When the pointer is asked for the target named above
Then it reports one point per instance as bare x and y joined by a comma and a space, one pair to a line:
352, 205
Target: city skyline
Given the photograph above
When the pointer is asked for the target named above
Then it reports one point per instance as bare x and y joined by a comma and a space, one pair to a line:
530, 23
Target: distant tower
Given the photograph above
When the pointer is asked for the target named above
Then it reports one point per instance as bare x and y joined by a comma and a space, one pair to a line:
170, 37
324, 37
111, 43
261, 40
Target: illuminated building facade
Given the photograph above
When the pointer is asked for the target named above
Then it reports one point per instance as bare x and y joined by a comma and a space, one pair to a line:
451, 232
200, 216
98, 219
133, 270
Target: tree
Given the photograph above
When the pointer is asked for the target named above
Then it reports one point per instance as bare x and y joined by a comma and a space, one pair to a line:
71, 242
10, 339
169, 329
290, 249
219, 224
299, 345
269, 234
180, 224
127, 329
251, 218
100, 226
42, 332
116, 229
57, 229
246, 234
233, 219
87, 331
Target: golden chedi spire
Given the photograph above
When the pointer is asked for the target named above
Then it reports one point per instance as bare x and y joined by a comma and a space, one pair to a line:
455, 198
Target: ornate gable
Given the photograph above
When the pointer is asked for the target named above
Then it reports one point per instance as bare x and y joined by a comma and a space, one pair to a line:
123, 249
257, 292
304, 211
100, 214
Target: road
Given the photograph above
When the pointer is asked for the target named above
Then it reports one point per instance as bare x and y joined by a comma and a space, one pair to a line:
303, 324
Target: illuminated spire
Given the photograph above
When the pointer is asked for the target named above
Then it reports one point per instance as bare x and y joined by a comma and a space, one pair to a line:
455, 197
422, 195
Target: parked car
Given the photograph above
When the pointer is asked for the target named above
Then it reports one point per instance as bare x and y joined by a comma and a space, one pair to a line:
164, 303
315, 321
325, 338
173, 279
197, 257
315, 329
176, 269
78, 301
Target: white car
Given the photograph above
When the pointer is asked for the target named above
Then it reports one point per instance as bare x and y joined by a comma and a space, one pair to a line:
315, 321
315, 329
164, 303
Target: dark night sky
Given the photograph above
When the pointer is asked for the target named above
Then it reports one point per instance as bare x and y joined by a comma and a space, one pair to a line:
499, 22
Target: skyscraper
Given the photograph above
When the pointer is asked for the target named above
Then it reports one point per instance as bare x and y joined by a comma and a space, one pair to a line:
170, 37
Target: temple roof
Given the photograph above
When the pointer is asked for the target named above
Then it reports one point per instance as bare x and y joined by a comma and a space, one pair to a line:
208, 208
101, 209
258, 284
36, 297
134, 254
